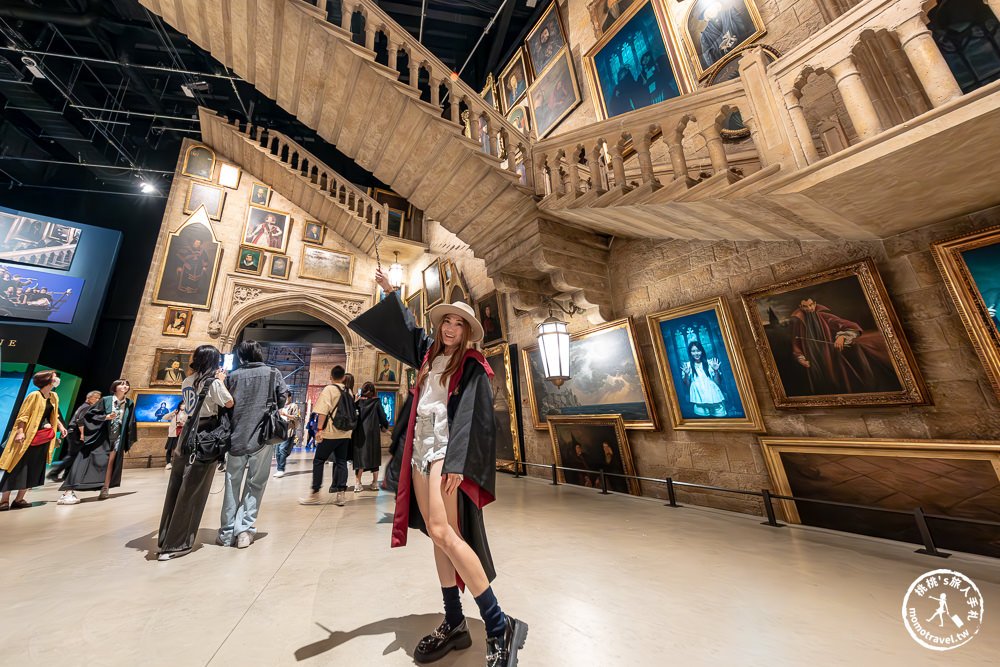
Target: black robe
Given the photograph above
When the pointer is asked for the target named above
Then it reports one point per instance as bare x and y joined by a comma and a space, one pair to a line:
366, 441
391, 327
91, 463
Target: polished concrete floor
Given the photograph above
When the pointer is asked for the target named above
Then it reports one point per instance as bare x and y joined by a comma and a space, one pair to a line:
601, 580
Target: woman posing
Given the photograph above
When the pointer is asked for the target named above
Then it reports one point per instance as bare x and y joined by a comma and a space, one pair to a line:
32, 441
366, 440
250, 385
109, 431
191, 480
447, 464
703, 377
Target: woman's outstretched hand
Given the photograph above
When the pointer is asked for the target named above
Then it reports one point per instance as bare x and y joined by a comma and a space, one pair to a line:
450, 482
382, 281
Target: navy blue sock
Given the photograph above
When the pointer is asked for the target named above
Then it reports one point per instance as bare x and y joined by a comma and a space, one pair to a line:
452, 606
493, 617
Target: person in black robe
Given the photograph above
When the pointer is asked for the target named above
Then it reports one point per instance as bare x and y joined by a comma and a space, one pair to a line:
74, 438
366, 441
450, 492
109, 431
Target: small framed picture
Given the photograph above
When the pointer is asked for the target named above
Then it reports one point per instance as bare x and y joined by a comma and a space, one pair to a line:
170, 367
446, 270
229, 175
314, 233
177, 321
199, 163
260, 194
433, 289
266, 228
251, 260
211, 196
387, 401
387, 370
415, 304
281, 266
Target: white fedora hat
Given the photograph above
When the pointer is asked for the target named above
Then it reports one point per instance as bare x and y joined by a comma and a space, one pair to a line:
463, 310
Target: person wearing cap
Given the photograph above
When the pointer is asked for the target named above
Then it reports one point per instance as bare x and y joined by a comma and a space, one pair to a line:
444, 457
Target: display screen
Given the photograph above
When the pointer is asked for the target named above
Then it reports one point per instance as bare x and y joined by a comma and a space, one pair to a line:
32, 294
387, 401
227, 362
11, 378
155, 408
27, 240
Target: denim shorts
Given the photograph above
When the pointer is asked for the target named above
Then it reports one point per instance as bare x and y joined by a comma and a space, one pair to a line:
428, 444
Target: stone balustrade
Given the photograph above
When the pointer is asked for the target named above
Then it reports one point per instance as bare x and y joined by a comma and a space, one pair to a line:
592, 158
312, 168
501, 131
56, 257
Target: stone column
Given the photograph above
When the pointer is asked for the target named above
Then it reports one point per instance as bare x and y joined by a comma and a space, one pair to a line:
474, 126
618, 164
641, 143
856, 100
347, 13
573, 167
677, 159
369, 38
393, 48
801, 127
716, 151
491, 136
928, 63
453, 103
414, 72
594, 164
435, 85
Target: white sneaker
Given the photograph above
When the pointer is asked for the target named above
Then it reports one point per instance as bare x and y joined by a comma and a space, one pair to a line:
340, 499
68, 498
358, 488
279, 474
168, 466
312, 499
243, 540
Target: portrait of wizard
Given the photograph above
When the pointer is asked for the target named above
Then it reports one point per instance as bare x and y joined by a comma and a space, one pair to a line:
194, 261
838, 355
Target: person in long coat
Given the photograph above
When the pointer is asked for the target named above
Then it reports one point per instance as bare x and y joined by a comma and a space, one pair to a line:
447, 464
366, 440
32, 441
109, 431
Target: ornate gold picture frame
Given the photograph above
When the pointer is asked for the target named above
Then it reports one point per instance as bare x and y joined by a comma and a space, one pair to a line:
704, 374
590, 444
199, 162
502, 359
488, 92
332, 266
267, 228
250, 260
513, 83
415, 303
832, 339
280, 267
433, 284
554, 94
170, 367
545, 40
970, 266
709, 40
212, 197
177, 321
190, 265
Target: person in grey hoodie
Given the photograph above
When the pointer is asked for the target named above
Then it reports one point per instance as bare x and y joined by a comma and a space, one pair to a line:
251, 384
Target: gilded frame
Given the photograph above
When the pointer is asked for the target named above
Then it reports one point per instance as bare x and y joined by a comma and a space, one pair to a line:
681, 76
255, 189
503, 349
490, 89
395, 365
436, 266
194, 219
912, 390
535, 28
497, 297
650, 424
284, 237
415, 303
167, 317
261, 260
520, 57
304, 266
634, 486
154, 392
288, 267
773, 447
310, 224
187, 161
752, 421
158, 357
968, 299
239, 175
217, 214
696, 65
536, 84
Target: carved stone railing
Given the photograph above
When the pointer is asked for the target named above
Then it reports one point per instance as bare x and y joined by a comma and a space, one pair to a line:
338, 187
499, 129
57, 257
576, 162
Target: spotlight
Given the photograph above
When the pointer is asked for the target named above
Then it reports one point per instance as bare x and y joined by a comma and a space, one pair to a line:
454, 76
190, 88
147, 188
32, 67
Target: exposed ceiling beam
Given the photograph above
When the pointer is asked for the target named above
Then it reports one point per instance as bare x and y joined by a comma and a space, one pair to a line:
499, 37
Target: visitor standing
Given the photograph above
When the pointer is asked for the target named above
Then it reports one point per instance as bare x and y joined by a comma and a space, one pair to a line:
367, 440
32, 441
447, 464
174, 427
331, 441
291, 414
251, 386
109, 432
311, 429
190, 479
74, 439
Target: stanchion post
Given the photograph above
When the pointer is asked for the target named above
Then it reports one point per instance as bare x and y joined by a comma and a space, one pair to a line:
604, 484
517, 469
925, 534
671, 495
555, 475
769, 510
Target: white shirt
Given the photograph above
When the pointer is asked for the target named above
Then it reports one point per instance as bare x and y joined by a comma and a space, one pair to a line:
217, 397
434, 399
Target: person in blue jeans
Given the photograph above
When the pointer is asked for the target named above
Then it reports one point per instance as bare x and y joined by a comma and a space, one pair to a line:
250, 385
291, 414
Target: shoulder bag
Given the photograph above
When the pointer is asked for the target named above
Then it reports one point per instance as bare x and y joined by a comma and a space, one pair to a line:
206, 446
272, 429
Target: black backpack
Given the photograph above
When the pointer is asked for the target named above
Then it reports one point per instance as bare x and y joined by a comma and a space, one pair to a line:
345, 415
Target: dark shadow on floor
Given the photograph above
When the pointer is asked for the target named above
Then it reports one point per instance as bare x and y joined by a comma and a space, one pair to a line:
205, 537
409, 630
386, 517
111, 496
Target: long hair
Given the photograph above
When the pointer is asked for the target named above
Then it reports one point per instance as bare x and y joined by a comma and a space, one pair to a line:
349, 382
368, 390
205, 362
454, 364
704, 362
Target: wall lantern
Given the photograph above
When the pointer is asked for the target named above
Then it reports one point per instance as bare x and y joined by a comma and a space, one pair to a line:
396, 273
553, 343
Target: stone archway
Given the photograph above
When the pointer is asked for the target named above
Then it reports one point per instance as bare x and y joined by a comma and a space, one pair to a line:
335, 314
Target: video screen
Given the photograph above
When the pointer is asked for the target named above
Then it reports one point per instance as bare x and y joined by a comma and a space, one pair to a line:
26, 240
155, 408
38, 295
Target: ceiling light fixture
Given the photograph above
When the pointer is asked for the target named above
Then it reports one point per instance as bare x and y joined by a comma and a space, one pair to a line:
32, 65
147, 188
396, 272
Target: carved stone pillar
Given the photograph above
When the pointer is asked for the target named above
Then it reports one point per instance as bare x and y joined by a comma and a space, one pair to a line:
928, 63
573, 169
856, 100
491, 137
801, 127
618, 164
677, 159
641, 143
474, 126
435, 91
347, 13
414, 72
594, 164
369, 38
393, 48
716, 151
453, 103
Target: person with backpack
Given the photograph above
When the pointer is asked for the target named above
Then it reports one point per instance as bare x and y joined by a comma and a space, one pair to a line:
255, 388
336, 419
367, 439
203, 439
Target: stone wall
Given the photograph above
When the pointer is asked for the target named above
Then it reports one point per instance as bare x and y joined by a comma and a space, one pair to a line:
650, 276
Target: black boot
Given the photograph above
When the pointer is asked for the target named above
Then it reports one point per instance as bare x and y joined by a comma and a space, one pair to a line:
501, 651
437, 644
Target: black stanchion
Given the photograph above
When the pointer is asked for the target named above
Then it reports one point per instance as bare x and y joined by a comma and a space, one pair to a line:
517, 469
925, 534
555, 475
769, 509
671, 496
604, 484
